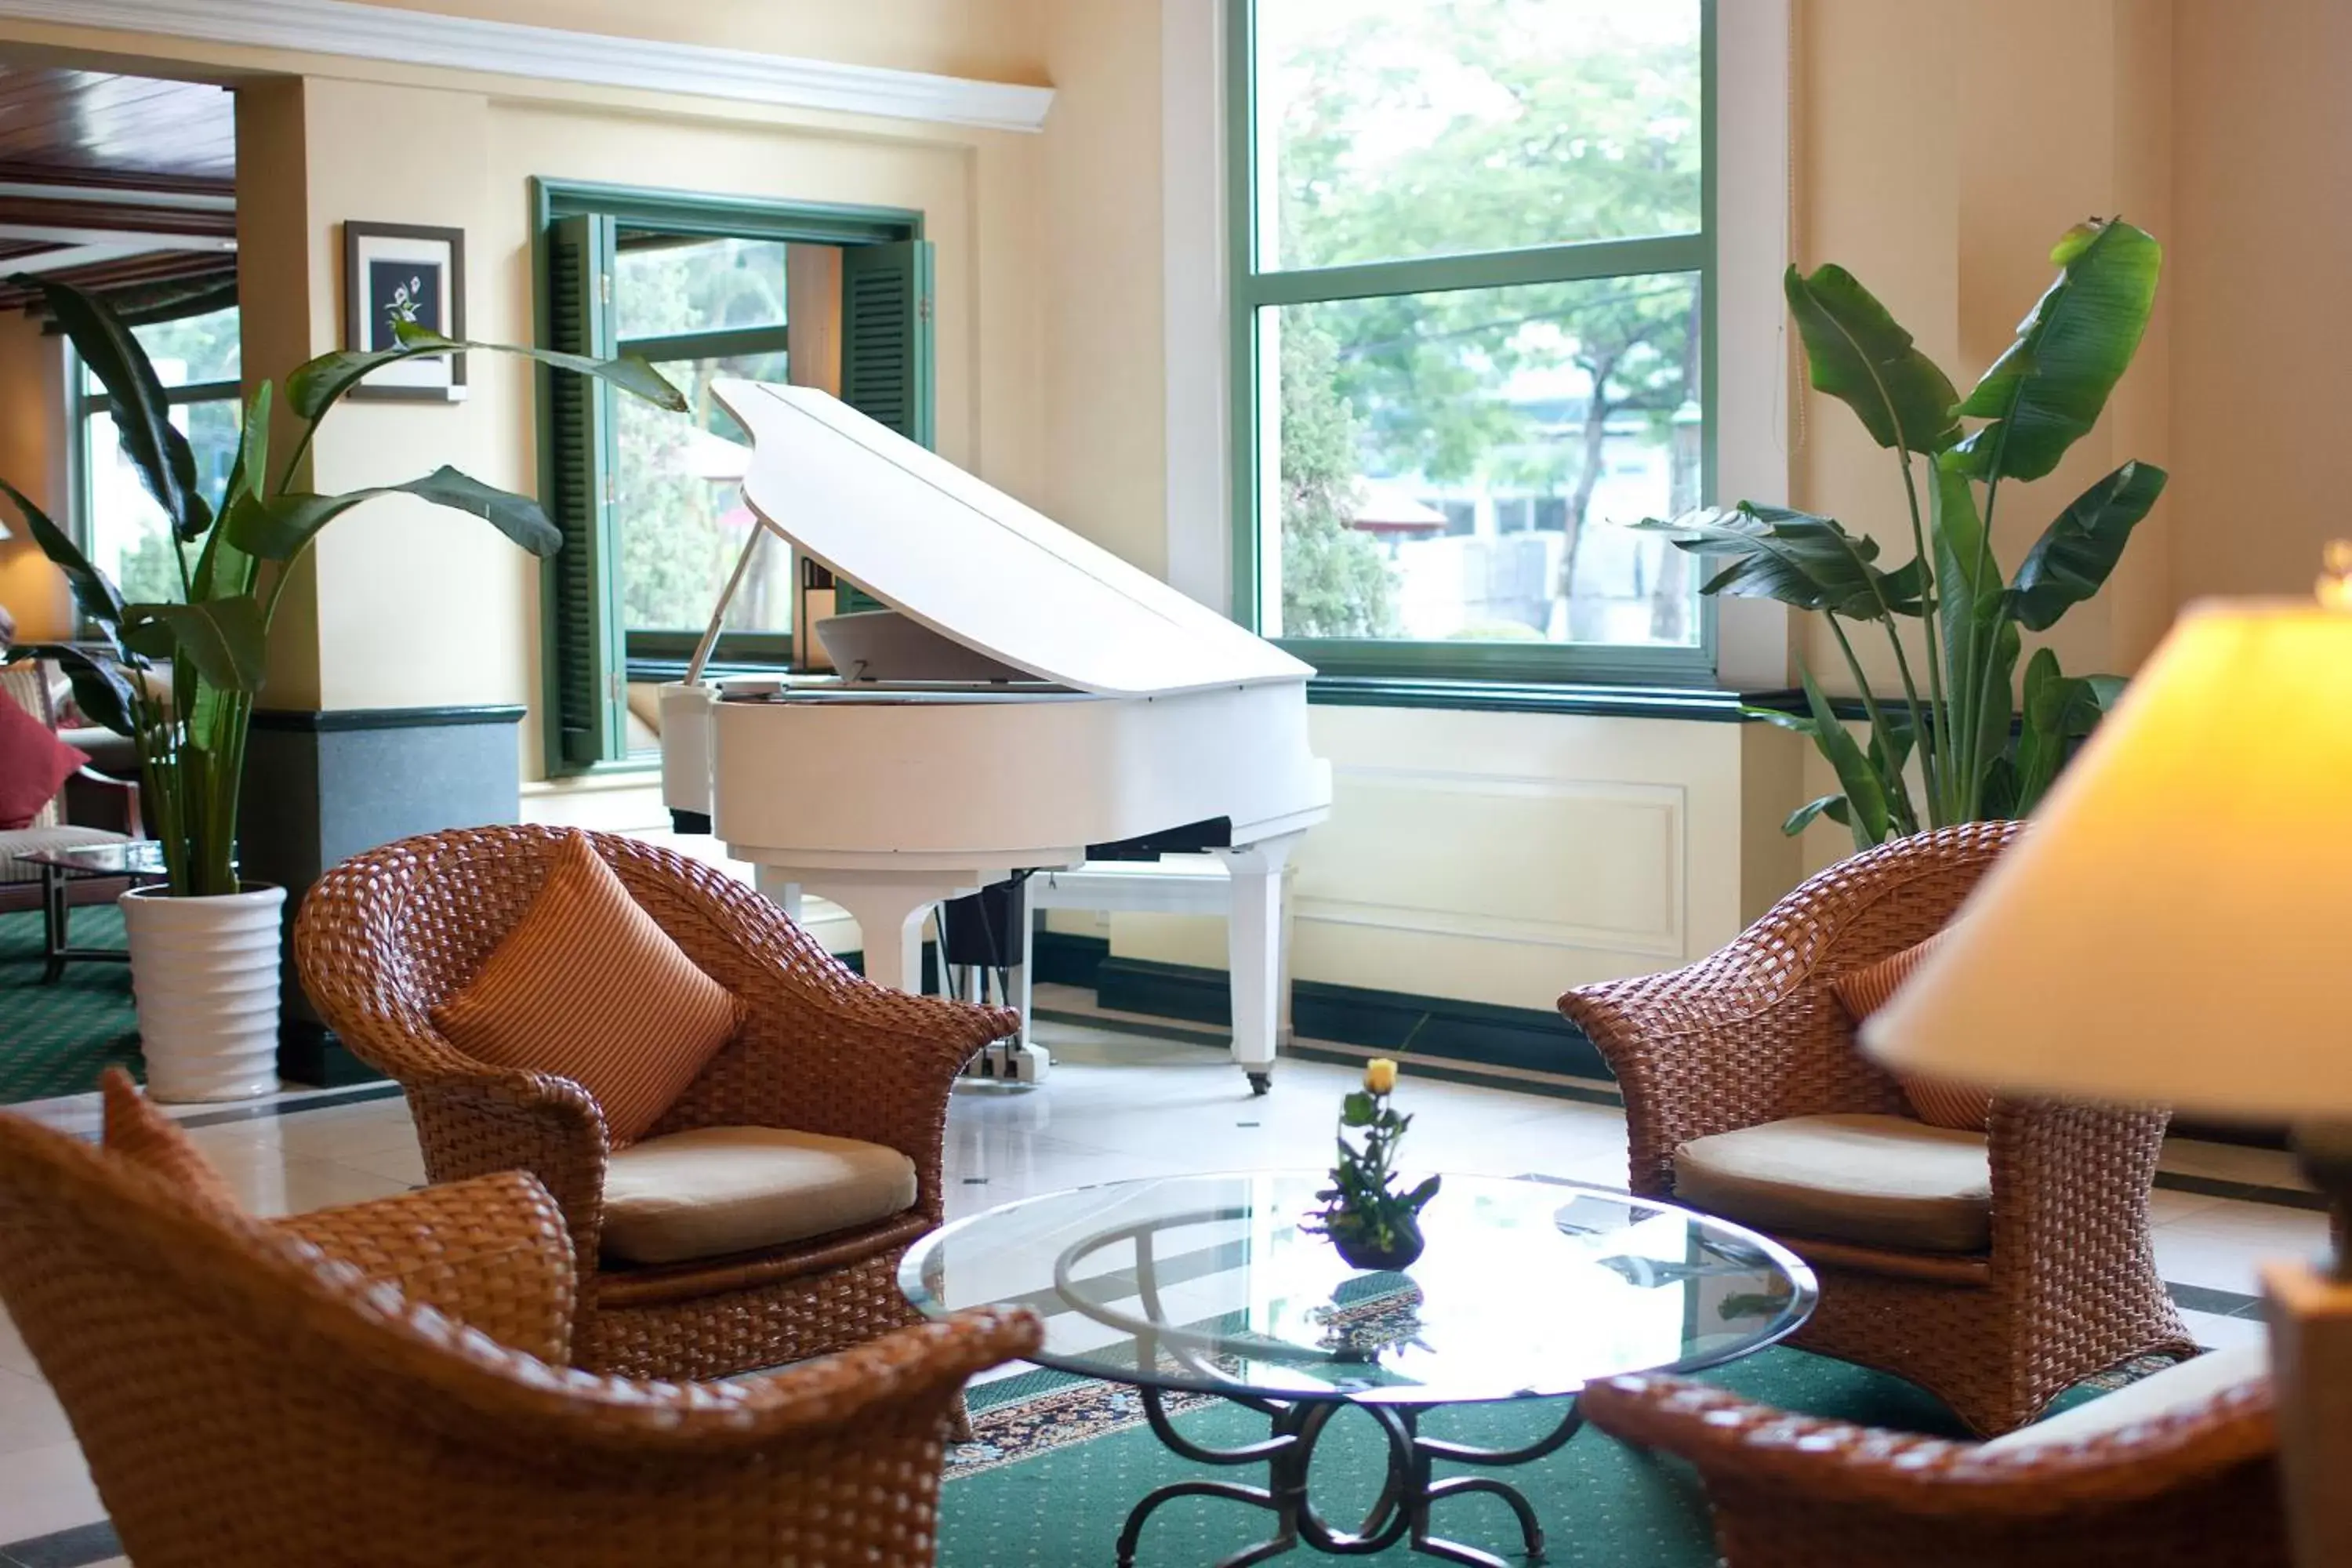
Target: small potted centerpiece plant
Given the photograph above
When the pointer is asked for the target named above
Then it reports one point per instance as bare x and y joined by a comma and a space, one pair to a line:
1371, 1224
180, 675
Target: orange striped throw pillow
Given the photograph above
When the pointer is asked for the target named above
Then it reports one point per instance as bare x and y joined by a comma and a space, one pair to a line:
1938, 1103
135, 1130
587, 987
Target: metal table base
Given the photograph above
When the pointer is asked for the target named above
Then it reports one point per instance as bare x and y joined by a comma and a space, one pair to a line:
1400, 1513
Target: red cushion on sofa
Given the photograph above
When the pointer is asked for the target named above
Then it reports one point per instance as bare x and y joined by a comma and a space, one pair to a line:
34, 765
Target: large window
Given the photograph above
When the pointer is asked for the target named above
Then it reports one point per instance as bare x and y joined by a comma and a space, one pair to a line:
648, 500
1471, 256
117, 522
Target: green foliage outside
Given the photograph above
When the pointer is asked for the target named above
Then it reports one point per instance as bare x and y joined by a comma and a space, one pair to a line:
1557, 122
674, 552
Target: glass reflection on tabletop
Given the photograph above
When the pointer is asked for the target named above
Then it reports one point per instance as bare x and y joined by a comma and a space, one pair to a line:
1527, 1287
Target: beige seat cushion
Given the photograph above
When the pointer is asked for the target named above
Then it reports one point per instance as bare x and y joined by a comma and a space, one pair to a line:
2180, 1387
1872, 1181
717, 1190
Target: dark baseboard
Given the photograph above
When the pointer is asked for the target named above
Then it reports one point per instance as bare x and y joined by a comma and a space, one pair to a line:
1473, 1032
1064, 958
308, 1052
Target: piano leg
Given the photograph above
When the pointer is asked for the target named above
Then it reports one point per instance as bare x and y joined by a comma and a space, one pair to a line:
1254, 935
889, 918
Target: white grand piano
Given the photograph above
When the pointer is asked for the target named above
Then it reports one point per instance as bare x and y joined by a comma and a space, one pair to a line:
1026, 699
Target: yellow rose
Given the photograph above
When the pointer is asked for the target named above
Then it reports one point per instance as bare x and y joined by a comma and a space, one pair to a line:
1379, 1075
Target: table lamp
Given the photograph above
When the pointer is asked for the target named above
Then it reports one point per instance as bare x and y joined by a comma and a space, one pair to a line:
2176, 929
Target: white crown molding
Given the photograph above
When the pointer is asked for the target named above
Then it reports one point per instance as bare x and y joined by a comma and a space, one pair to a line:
555, 53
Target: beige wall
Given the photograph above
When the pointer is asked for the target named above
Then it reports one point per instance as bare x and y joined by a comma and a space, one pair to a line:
1947, 209
2262, 335
32, 457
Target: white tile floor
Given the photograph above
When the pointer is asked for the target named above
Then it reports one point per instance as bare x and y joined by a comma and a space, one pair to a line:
1117, 1105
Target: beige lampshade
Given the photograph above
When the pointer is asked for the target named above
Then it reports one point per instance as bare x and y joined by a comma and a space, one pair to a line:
2176, 926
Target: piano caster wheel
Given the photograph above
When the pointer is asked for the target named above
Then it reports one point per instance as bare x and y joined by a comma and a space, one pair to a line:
1260, 1082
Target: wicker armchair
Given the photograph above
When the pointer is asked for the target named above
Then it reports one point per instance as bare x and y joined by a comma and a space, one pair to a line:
387, 936
2192, 1488
251, 1393
1752, 1035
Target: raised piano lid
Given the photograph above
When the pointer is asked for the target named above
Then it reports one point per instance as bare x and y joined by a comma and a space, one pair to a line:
970, 562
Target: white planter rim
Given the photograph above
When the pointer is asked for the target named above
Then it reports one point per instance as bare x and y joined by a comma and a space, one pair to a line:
161, 894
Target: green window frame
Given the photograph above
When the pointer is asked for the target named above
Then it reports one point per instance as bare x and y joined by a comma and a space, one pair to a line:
589, 654
1254, 290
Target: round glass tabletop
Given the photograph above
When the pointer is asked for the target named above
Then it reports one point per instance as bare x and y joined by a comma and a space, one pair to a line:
1527, 1289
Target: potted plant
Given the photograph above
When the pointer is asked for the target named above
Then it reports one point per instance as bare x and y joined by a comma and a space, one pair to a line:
1983, 747
180, 677
1371, 1224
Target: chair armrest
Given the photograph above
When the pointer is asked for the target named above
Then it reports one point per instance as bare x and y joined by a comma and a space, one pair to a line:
473, 1119
2062, 1175
890, 1392
1750, 1453
492, 1253
88, 791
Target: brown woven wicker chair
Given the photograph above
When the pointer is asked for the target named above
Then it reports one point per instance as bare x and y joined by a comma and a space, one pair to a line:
1752, 1035
251, 1393
387, 936
2191, 1488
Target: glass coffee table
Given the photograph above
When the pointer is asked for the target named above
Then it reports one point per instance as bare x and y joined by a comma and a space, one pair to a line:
1527, 1289
133, 860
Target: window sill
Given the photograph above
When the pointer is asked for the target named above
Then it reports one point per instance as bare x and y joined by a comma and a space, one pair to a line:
1689, 703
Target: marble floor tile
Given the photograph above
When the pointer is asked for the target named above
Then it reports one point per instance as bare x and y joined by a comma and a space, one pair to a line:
2223, 1247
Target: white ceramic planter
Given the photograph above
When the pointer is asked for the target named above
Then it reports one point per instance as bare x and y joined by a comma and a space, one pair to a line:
206, 973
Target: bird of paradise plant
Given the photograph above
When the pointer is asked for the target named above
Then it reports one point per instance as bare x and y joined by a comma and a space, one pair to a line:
235, 553
1984, 747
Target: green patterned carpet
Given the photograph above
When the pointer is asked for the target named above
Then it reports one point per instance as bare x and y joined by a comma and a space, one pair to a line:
1060, 1462
55, 1039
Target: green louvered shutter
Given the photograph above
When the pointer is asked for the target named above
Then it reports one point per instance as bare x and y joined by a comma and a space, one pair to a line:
582, 581
886, 348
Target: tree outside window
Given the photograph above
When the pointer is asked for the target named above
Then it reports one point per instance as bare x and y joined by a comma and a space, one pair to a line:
1475, 270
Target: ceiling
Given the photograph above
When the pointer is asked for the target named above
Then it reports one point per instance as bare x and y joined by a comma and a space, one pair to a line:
123, 185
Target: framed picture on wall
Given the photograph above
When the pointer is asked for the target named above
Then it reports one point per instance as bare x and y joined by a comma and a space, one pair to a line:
396, 272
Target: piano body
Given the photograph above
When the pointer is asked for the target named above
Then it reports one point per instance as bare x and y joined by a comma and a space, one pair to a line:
1027, 701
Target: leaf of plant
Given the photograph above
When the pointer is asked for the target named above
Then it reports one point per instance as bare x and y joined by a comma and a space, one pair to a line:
1971, 612
2047, 389
1802, 723
518, 517
165, 461
2059, 709
1866, 792
1356, 1109
1856, 351
1832, 807
314, 385
224, 570
631, 372
225, 639
279, 528
1419, 1197
95, 595
2075, 555
100, 687
1806, 562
